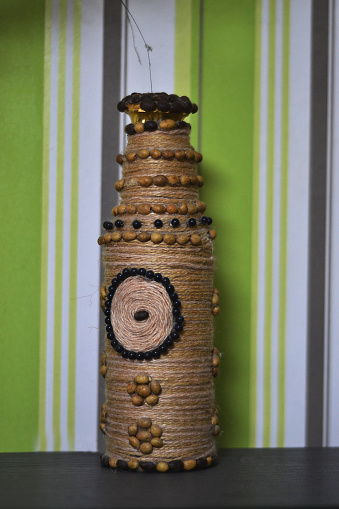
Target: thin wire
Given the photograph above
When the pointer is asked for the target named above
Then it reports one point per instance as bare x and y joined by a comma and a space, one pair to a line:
148, 48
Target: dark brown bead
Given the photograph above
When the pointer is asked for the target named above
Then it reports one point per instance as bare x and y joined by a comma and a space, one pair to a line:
147, 104
149, 466
122, 465
104, 460
201, 463
176, 466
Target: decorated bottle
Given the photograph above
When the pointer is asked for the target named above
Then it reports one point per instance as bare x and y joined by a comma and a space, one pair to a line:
158, 298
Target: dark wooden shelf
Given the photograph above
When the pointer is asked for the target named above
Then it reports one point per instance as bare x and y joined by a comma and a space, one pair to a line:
299, 477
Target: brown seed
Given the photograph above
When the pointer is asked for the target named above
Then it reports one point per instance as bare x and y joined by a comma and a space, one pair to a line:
190, 464
195, 239
102, 428
143, 390
132, 430
190, 154
180, 155
183, 208
139, 127
201, 206
155, 153
144, 435
185, 180
122, 208
162, 466
131, 386
112, 462
144, 208
103, 290
200, 181
173, 180
214, 420
145, 422
156, 430
215, 372
158, 209
152, 400
146, 448
131, 209
213, 234
143, 153
172, 209
197, 157
131, 156
160, 180
169, 239
215, 360
101, 242
216, 431
143, 237
216, 291
116, 236
145, 181
119, 159
119, 185
107, 238
216, 310
167, 124
137, 400
194, 180
156, 238
192, 209
103, 371
134, 442
216, 411
155, 387
215, 299
156, 442
182, 239
128, 236
167, 154
115, 211
142, 379
209, 461
133, 464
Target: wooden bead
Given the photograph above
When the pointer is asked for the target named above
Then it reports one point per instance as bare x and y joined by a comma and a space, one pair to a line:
146, 448
157, 442
133, 430
131, 209
185, 180
169, 239
200, 206
148, 466
167, 154
183, 208
197, 157
180, 155
119, 159
143, 153
143, 390
144, 208
112, 462
216, 431
167, 124
162, 466
216, 310
213, 234
103, 292
190, 464
141, 379
215, 360
131, 156
115, 211
144, 435
156, 238
214, 420
173, 180
190, 154
182, 239
195, 239
156, 430
128, 236
119, 185
107, 238
172, 209
134, 442
200, 181
155, 387
215, 372
116, 236
209, 461
139, 127
122, 208
194, 180
133, 464
192, 209
137, 400
216, 291
101, 242
160, 180
102, 428
131, 386
145, 181
144, 422
152, 400
103, 371
155, 153
144, 237
215, 299
159, 209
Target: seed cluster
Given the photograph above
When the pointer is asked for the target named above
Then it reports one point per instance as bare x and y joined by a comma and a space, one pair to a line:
157, 101
159, 223
160, 466
161, 181
159, 208
143, 435
168, 155
143, 389
168, 238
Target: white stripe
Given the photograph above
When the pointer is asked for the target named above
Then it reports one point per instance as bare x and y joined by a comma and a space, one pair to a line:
51, 226
297, 227
89, 255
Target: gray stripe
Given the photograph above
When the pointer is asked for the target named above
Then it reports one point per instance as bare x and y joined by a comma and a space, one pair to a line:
317, 224
110, 140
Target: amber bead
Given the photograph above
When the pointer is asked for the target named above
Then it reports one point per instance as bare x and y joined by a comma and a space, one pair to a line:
160, 180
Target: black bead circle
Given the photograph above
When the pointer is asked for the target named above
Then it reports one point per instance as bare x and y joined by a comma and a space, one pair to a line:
178, 319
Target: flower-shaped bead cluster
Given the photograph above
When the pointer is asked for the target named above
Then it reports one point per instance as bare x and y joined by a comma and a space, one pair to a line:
144, 390
143, 435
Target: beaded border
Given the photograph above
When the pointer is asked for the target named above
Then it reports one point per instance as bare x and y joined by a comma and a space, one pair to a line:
156, 238
161, 181
159, 466
145, 208
180, 155
177, 316
153, 125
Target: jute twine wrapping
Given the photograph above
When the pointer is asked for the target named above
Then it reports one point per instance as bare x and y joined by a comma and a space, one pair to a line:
186, 403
